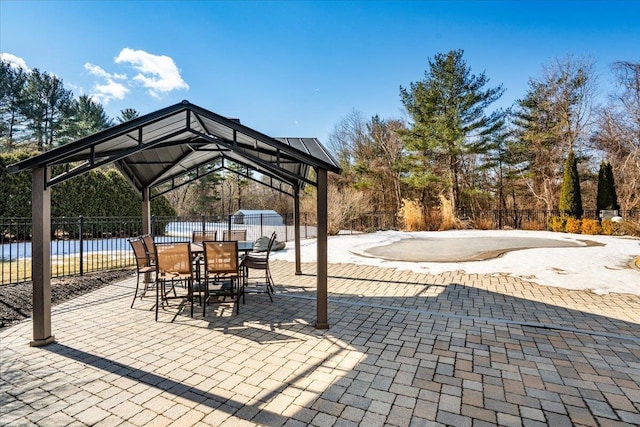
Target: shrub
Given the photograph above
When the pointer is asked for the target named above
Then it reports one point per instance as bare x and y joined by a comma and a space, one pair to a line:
432, 220
533, 225
570, 197
484, 224
411, 215
591, 226
629, 228
608, 227
343, 206
606, 197
573, 225
557, 223
449, 219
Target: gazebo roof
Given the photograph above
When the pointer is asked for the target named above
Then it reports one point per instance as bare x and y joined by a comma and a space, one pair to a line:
183, 142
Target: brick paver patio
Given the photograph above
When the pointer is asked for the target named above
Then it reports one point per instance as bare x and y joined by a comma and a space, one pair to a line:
404, 349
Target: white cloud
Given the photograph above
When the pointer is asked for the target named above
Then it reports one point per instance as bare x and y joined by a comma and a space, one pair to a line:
157, 73
110, 89
14, 61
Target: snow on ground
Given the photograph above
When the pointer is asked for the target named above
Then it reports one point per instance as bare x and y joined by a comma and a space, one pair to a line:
601, 269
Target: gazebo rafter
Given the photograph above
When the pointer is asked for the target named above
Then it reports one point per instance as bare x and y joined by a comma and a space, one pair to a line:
161, 147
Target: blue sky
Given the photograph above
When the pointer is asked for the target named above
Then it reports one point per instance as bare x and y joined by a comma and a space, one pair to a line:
298, 68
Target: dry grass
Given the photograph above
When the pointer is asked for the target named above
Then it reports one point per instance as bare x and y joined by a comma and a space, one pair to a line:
20, 270
448, 216
630, 228
411, 215
533, 225
483, 224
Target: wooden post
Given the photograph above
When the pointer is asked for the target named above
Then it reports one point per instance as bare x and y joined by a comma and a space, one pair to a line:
321, 301
41, 258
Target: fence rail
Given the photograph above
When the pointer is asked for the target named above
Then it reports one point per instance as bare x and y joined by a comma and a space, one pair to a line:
82, 245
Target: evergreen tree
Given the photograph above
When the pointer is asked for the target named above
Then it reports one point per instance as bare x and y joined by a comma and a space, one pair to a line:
85, 117
206, 191
607, 198
449, 121
570, 196
12, 83
46, 104
128, 114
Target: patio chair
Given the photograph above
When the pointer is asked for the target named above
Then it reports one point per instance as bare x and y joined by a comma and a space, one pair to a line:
200, 236
143, 266
174, 264
221, 273
150, 248
237, 235
260, 262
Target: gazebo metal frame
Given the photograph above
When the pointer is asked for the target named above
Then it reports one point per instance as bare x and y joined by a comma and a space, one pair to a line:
166, 149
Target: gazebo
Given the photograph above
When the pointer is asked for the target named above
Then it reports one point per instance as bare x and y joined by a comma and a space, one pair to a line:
164, 150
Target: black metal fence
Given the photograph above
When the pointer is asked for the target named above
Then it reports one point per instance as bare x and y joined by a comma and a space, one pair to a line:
82, 245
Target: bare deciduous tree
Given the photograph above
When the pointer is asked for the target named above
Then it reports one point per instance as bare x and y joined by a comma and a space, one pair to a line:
618, 133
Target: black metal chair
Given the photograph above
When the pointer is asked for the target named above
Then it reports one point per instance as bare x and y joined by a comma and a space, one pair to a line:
237, 235
201, 236
258, 261
143, 267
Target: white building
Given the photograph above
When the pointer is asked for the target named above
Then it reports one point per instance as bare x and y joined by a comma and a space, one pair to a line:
256, 217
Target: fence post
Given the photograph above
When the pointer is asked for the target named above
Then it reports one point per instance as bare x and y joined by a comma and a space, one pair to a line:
229, 224
81, 245
261, 232
153, 225
202, 221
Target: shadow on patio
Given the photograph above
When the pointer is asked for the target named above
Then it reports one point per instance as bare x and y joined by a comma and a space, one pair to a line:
399, 352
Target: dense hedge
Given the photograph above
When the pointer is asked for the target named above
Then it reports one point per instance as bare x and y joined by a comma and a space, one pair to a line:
100, 192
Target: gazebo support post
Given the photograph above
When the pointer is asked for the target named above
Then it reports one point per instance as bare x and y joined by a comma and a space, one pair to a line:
296, 229
321, 299
146, 211
41, 258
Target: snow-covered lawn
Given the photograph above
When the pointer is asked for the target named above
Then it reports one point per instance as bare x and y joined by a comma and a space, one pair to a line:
602, 269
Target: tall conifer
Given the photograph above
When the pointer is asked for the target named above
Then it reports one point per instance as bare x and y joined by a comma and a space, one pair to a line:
570, 196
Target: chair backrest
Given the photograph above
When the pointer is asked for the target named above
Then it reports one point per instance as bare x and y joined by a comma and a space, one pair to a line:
149, 245
173, 258
238, 235
140, 252
221, 257
200, 236
272, 240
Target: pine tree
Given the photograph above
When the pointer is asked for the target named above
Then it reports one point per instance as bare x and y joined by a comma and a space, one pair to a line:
84, 117
607, 198
450, 122
570, 196
128, 114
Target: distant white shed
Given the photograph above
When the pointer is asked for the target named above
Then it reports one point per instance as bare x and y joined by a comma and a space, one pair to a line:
265, 217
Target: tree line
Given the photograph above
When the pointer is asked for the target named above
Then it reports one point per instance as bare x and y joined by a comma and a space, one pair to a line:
453, 148
38, 113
